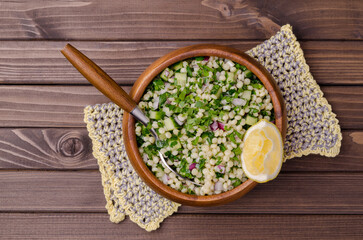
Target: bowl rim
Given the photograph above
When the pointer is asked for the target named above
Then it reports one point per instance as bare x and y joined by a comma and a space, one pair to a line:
157, 67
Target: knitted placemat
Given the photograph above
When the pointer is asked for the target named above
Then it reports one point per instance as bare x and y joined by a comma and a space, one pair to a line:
312, 128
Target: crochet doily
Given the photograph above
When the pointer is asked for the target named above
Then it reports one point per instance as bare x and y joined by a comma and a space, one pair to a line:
312, 128
125, 192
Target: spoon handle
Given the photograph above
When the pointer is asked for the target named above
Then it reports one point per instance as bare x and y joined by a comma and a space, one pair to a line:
98, 78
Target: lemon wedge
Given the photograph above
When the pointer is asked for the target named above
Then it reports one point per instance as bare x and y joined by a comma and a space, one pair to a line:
262, 153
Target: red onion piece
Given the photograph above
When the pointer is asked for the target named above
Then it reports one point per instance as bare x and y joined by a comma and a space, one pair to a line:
165, 178
204, 87
166, 73
156, 103
221, 169
218, 186
214, 126
192, 166
206, 59
166, 84
221, 125
168, 101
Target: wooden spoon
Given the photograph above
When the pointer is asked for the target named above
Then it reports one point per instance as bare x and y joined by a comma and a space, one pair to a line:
105, 84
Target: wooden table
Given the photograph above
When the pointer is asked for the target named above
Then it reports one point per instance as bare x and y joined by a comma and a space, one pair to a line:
50, 187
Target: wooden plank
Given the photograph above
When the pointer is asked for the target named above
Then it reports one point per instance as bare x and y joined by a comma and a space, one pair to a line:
62, 106
349, 158
334, 62
37, 148
202, 227
310, 193
295, 193
40, 62
47, 105
207, 19
51, 191
347, 103
67, 148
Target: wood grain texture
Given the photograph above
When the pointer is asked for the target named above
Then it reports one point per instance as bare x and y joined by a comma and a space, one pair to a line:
68, 149
96, 226
349, 158
66, 204
36, 148
40, 62
62, 106
207, 19
303, 193
46, 105
98, 78
51, 191
347, 103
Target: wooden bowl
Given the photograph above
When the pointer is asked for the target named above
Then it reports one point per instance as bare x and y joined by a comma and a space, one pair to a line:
138, 90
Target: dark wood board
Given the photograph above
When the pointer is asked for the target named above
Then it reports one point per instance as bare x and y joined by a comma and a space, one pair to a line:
46, 105
40, 62
50, 185
71, 149
51, 191
62, 106
90, 226
37, 148
81, 191
175, 19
